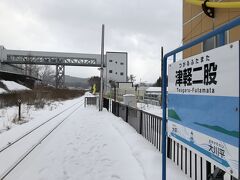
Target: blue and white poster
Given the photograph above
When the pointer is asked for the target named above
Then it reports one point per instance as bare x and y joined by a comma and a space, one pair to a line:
203, 105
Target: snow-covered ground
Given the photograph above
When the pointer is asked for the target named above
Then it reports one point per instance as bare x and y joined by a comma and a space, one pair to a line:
156, 110
89, 145
13, 86
30, 116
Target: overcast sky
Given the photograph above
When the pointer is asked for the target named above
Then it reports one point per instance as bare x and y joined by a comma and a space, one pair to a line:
139, 27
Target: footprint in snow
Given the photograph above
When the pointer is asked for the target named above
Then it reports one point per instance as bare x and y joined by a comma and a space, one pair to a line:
75, 149
114, 176
76, 163
104, 145
72, 157
41, 170
65, 175
69, 144
89, 139
78, 137
85, 152
105, 160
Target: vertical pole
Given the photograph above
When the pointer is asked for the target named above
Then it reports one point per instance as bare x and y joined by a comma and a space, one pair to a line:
169, 148
56, 77
141, 122
114, 107
208, 169
101, 71
115, 93
161, 72
174, 58
221, 39
19, 109
19, 112
118, 105
164, 120
126, 113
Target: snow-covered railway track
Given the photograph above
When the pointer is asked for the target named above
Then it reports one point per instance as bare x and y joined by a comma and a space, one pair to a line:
16, 151
3, 148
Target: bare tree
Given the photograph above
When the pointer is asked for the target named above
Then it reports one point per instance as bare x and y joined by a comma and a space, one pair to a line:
47, 74
32, 70
132, 78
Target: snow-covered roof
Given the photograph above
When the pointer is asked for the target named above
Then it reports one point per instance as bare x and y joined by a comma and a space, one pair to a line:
129, 95
2, 91
154, 89
153, 93
13, 86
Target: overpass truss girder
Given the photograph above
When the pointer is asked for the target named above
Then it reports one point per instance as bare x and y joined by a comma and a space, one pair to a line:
41, 60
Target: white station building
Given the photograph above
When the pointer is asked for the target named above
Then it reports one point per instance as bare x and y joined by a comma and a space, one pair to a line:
115, 69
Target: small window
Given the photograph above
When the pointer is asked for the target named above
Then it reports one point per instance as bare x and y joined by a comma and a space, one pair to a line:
110, 71
116, 62
121, 73
116, 73
110, 60
208, 44
213, 42
218, 39
122, 63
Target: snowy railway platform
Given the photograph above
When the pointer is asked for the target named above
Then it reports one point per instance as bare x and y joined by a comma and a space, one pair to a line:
87, 145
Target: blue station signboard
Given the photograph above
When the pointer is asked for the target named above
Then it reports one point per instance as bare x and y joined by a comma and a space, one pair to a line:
203, 105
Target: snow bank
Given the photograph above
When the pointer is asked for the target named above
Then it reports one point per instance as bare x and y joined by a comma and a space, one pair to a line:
156, 110
88, 94
13, 86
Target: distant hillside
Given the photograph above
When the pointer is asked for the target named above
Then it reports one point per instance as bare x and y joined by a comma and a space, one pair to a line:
71, 81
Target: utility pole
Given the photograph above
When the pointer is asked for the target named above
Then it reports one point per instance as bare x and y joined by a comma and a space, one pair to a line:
101, 71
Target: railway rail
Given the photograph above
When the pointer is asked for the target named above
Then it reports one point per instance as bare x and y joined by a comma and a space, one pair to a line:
21, 147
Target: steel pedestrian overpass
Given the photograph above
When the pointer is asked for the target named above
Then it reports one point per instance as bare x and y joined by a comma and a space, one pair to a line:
9, 58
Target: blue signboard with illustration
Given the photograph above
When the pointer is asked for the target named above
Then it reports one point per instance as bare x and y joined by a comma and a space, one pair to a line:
203, 105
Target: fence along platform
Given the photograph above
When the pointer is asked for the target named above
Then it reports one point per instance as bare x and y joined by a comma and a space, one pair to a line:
150, 127
91, 101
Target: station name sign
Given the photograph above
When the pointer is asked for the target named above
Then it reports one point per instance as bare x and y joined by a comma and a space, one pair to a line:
203, 105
